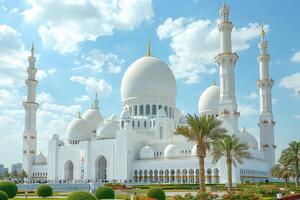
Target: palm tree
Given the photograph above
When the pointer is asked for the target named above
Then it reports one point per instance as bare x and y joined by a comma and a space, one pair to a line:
230, 148
283, 170
202, 130
291, 154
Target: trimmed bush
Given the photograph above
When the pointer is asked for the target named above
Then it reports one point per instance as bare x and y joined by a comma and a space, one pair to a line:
9, 188
81, 196
3, 196
105, 193
44, 191
156, 193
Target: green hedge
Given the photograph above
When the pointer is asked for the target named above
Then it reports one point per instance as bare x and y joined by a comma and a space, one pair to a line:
156, 193
9, 188
44, 191
3, 196
81, 196
105, 193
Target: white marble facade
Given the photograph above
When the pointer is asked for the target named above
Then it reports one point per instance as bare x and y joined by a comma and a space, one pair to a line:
140, 145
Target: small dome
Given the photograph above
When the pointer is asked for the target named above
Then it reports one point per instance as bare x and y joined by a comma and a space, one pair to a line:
171, 151
79, 129
40, 159
55, 137
248, 138
107, 129
146, 152
125, 114
161, 113
194, 150
148, 77
183, 120
93, 117
209, 101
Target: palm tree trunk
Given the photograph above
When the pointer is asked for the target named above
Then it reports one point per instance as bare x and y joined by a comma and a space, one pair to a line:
201, 157
202, 174
229, 174
286, 182
297, 172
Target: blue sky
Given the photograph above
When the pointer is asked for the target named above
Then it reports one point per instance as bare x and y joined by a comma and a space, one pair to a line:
85, 46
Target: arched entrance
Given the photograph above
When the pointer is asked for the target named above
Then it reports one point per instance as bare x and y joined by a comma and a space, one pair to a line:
69, 170
101, 166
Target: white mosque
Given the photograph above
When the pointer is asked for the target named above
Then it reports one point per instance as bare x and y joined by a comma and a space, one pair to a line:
140, 145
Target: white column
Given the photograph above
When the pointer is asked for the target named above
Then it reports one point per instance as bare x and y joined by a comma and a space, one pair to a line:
30, 106
266, 122
226, 60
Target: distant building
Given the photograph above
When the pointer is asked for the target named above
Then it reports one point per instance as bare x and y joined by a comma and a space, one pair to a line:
3, 170
16, 168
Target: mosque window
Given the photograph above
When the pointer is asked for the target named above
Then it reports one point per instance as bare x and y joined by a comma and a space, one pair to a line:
153, 123
139, 124
161, 132
145, 124
147, 109
150, 124
141, 109
159, 107
153, 109
170, 112
122, 124
130, 110
132, 124
135, 110
166, 110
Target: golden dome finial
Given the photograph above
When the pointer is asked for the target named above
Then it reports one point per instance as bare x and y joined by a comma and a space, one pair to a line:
148, 49
262, 32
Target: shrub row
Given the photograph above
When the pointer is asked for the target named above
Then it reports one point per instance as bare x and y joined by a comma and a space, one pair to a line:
8, 188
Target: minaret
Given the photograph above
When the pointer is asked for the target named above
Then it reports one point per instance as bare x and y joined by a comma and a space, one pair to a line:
266, 122
226, 60
30, 106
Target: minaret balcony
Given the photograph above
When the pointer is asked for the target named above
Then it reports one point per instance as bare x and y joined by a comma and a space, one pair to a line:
225, 112
220, 58
236, 113
265, 82
265, 146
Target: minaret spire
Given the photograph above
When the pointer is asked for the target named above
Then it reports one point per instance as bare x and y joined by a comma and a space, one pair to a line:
30, 106
96, 102
266, 121
226, 60
148, 49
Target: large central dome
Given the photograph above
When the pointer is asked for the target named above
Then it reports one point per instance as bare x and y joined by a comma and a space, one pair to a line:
148, 77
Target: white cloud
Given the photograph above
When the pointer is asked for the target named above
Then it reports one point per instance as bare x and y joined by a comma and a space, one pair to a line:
52, 71
13, 57
297, 116
98, 62
44, 97
195, 43
82, 98
93, 85
41, 74
77, 21
296, 57
291, 82
51, 117
252, 95
247, 110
